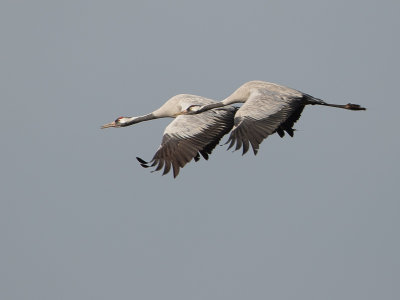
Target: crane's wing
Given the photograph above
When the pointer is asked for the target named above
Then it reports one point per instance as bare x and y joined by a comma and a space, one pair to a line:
188, 136
263, 114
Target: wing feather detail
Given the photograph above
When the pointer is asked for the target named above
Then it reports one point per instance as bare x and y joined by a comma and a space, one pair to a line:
188, 137
263, 114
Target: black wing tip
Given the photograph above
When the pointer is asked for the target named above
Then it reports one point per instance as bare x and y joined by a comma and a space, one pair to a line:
142, 162
197, 157
175, 171
290, 131
145, 164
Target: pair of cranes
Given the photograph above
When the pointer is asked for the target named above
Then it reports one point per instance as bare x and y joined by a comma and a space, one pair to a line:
200, 123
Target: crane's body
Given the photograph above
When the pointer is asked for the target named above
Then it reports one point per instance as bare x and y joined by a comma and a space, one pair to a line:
267, 108
187, 136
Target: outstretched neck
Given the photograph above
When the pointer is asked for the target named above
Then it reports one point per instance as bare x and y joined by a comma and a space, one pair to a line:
228, 101
237, 97
134, 120
209, 106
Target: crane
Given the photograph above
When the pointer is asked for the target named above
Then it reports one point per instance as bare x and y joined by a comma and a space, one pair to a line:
267, 108
187, 136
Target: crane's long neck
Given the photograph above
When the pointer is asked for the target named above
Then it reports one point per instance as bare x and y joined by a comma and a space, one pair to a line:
210, 106
134, 120
228, 101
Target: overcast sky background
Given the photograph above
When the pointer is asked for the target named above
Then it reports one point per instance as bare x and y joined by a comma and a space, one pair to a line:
310, 217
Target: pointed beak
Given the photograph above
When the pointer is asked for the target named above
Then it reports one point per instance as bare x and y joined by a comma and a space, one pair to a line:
112, 124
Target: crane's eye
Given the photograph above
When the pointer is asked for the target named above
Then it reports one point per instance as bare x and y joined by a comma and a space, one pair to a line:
119, 119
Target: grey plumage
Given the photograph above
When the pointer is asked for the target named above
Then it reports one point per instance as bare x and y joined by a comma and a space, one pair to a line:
267, 108
200, 123
186, 137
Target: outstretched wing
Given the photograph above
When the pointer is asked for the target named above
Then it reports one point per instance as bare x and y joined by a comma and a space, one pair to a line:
263, 114
188, 136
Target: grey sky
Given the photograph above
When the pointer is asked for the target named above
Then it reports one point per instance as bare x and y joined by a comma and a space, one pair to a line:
310, 217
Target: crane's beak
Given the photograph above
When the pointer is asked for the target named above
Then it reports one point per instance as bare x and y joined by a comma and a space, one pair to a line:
112, 124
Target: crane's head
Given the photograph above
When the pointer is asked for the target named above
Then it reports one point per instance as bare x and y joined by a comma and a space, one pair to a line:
119, 122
